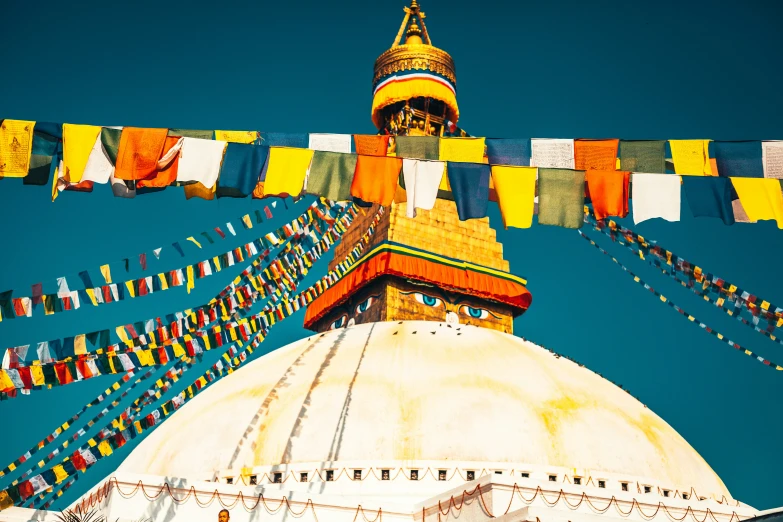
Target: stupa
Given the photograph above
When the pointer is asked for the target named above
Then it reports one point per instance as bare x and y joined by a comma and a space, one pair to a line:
413, 400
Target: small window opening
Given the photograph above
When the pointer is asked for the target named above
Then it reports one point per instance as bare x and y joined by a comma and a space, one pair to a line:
702, 498
624, 486
552, 478
414, 474
357, 474
685, 496
303, 477
471, 475
602, 484
385, 474
229, 480
278, 478
441, 474
253, 480
666, 492
498, 473
525, 474
329, 475
647, 489
578, 481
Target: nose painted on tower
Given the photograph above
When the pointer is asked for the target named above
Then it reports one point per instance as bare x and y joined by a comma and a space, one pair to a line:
452, 318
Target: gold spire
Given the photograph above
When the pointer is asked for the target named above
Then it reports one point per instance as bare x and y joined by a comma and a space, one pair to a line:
414, 34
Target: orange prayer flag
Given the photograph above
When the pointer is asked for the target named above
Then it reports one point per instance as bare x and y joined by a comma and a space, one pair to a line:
168, 174
595, 154
258, 191
138, 153
608, 189
198, 190
367, 145
375, 179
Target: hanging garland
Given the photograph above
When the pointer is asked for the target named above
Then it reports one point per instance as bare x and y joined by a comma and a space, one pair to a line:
682, 312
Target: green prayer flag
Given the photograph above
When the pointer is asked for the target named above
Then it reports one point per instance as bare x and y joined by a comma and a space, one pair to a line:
421, 147
50, 376
331, 174
110, 138
643, 156
40, 166
200, 134
561, 197
6, 308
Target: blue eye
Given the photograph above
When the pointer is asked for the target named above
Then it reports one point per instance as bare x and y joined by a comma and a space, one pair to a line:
475, 313
364, 305
428, 300
339, 323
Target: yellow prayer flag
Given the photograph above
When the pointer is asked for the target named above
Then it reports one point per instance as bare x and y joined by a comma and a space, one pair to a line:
691, 157
286, 171
78, 141
5, 501
37, 374
470, 150
5, 381
129, 286
104, 448
16, 145
163, 284
80, 344
106, 272
191, 238
191, 284
246, 220
516, 190
91, 295
761, 198
178, 350
236, 136
59, 473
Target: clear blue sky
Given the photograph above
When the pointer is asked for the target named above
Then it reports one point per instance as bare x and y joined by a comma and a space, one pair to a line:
525, 69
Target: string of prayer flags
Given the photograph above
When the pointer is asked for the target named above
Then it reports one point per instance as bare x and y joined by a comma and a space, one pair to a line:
286, 171
595, 154
508, 152
330, 142
709, 196
738, 159
552, 153
772, 159
560, 192
691, 157
246, 137
331, 175
470, 150
656, 196
371, 145
241, 169
470, 188
516, 191
418, 147
16, 146
608, 190
422, 179
643, 156
681, 311
375, 179
761, 198
139, 151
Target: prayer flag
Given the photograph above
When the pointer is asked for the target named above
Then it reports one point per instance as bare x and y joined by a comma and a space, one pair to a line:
761, 198
78, 141
110, 140
561, 197
16, 146
469, 150
245, 137
508, 152
772, 157
422, 179
241, 169
98, 169
656, 196
200, 161
709, 196
470, 187
516, 190
691, 157
167, 167
375, 179
608, 190
285, 139
418, 147
330, 142
643, 156
140, 149
286, 171
552, 153
331, 175
738, 159
371, 145
595, 154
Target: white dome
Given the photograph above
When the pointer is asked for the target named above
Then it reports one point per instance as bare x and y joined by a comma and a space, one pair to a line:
420, 391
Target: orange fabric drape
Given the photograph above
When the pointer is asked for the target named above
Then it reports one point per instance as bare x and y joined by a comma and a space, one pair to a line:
450, 278
367, 145
595, 154
608, 189
167, 176
138, 153
375, 179
198, 190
